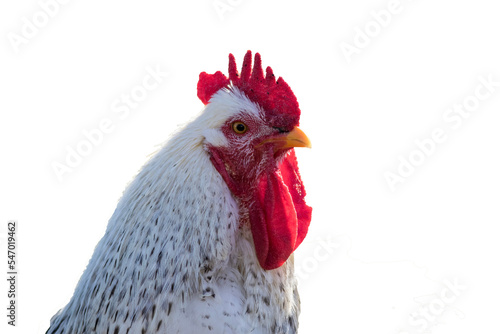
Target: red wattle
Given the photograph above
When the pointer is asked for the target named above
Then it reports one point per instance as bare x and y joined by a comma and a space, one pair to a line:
279, 216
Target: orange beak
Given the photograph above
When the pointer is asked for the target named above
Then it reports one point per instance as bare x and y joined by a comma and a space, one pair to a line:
295, 138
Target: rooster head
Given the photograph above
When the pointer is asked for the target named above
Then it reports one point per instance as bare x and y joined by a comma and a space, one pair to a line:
251, 129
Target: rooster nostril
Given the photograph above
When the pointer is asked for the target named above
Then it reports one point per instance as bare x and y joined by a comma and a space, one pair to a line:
280, 130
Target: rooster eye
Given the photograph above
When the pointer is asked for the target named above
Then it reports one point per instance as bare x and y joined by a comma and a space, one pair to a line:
239, 127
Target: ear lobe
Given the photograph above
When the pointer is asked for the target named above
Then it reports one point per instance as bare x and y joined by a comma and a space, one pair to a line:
209, 84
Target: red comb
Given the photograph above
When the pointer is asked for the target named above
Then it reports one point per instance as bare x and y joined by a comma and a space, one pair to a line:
274, 96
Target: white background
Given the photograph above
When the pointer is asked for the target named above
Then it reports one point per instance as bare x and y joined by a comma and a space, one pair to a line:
374, 258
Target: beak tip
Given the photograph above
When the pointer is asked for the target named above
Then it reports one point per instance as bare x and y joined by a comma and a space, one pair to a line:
297, 138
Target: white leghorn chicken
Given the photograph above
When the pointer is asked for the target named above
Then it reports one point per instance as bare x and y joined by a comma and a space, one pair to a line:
202, 239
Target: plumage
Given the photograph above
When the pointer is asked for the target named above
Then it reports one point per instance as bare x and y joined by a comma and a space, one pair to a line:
178, 254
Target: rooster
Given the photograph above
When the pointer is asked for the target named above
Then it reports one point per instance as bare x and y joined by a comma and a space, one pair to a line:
202, 239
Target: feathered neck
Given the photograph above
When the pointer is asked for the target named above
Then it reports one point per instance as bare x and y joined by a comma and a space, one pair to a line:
175, 237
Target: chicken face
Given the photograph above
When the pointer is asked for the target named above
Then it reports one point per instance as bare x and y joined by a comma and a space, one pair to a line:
253, 152
251, 147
